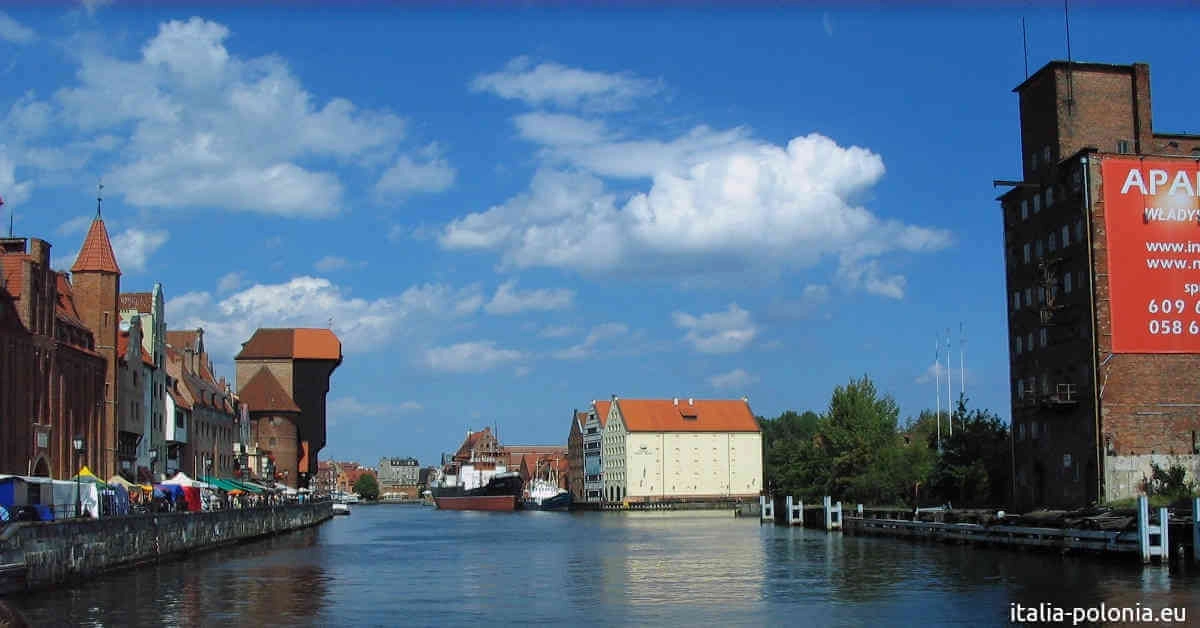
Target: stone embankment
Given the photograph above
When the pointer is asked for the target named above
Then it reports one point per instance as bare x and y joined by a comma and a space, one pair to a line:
38, 555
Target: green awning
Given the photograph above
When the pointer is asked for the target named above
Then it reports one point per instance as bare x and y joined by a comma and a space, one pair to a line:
225, 485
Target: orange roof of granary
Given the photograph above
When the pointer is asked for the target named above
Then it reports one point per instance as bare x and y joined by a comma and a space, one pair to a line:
688, 415
96, 254
300, 344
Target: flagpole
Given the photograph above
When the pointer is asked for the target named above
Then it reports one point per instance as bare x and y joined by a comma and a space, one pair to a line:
937, 374
949, 385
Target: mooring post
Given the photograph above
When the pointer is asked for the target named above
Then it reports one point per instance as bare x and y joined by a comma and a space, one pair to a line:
1196, 530
827, 506
1164, 542
860, 511
788, 505
1143, 522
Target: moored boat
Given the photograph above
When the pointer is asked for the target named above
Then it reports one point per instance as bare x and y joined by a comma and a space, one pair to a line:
341, 509
500, 493
545, 495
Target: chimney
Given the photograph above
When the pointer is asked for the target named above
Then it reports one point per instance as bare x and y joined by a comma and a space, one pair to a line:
39, 250
614, 397
691, 402
675, 401
745, 399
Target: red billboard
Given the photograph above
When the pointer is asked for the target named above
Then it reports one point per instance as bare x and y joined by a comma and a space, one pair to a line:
1152, 220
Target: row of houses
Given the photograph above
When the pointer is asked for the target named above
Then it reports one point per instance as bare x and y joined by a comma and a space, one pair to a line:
481, 455
91, 375
397, 478
647, 450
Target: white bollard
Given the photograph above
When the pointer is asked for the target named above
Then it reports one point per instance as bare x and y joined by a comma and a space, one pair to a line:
1196, 530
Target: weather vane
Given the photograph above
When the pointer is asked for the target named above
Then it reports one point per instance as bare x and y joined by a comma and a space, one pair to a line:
99, 197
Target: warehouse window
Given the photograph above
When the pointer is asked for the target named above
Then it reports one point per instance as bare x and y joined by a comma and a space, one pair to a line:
1079, 230
1046, 154
1052, 242
1033, 161
1038, 250
1020, 390
1066, 236
1042, 336
1123, 147
1020, 431
1028, 297
1049, 196
1041, 295
1037, 204
1017, 300
1018, 345
1028, 250
1029, 341
1024, 210
1067, 283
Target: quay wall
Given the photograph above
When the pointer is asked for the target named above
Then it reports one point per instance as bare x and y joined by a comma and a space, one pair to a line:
37, 555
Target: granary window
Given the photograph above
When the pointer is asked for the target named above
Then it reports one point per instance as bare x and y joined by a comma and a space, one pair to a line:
1028, 250
1033, 161
1028, 297
1025, 209
1052, 242
1037, 203
1042, 336
1066, 236
1017, 300
1046, 154
1123, 147
1079, 230
1017, 345
1049, 196
1029, 341
1067, 282
1038, 250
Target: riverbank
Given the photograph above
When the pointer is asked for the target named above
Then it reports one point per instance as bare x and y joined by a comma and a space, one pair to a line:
36, 555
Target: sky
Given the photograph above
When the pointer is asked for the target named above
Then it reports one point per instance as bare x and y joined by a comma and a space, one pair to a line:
506, 212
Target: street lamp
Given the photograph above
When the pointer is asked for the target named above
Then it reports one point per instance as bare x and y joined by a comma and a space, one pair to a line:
80, 449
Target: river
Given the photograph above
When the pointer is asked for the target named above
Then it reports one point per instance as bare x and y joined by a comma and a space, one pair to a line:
393, 565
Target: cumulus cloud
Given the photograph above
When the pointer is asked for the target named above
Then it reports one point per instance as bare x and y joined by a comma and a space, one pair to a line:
13, 191
72, 226
427, 172
556, 331
715, 202
470, 357
934, 371
725, 331
188, 124
509, 300
549, 83
133, 247
598, 334
230, 282
557, 129
364, 325
735, 379
15, 32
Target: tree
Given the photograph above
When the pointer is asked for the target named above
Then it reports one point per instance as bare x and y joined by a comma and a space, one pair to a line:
859, 443
366, 487
975, 465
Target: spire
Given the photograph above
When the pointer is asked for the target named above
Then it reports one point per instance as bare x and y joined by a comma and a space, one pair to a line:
97, 253
99, 198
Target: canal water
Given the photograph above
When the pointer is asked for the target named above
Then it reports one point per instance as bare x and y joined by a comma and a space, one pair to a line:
393, 565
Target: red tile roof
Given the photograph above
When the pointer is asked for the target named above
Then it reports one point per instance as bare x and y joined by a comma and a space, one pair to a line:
12, 273
140, 301
602, 408
181, 340
123, 348
300, 344
263, 393
96, 255
65, 308
710, 415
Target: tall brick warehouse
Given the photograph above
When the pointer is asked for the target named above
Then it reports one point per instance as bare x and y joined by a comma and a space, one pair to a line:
1104, 324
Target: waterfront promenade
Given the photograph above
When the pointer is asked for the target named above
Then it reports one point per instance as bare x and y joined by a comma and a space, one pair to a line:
397, 565
36, 555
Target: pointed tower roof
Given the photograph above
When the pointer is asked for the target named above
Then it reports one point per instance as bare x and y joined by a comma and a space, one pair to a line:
96, 255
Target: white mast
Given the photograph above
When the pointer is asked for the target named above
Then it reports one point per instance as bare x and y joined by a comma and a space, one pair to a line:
937, 374
949, 385
962, 359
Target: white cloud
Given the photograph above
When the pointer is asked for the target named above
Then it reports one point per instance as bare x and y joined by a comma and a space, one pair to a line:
735, 379
343, 409
509, 300
937, 370
230, 282
556, 129
868, 275
470, 357
13, 192
133, 247
363, 325
725, 331
555, 84
332, 263
14, 32
72, 226
429, 173
211, 129
598, 334
812, 298
827, 24
716, 202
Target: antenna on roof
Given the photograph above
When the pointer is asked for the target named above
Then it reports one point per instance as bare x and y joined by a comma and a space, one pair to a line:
1025, 46
10, 217
99, 197
1070, 81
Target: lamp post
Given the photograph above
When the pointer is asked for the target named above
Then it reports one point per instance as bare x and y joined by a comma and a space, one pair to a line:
153, 459
80, 449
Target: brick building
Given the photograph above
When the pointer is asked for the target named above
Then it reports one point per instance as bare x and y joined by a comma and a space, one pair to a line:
301, 361
51, 377
212, 421
1100, 392
273, 432
96, 283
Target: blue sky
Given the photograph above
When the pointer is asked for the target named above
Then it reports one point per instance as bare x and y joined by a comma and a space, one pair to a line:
510, 212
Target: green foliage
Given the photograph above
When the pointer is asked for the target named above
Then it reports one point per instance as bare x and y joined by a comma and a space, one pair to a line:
367, 487
1170, 484
858, 451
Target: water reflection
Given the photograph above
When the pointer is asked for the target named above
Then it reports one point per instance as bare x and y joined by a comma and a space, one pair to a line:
401, 565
